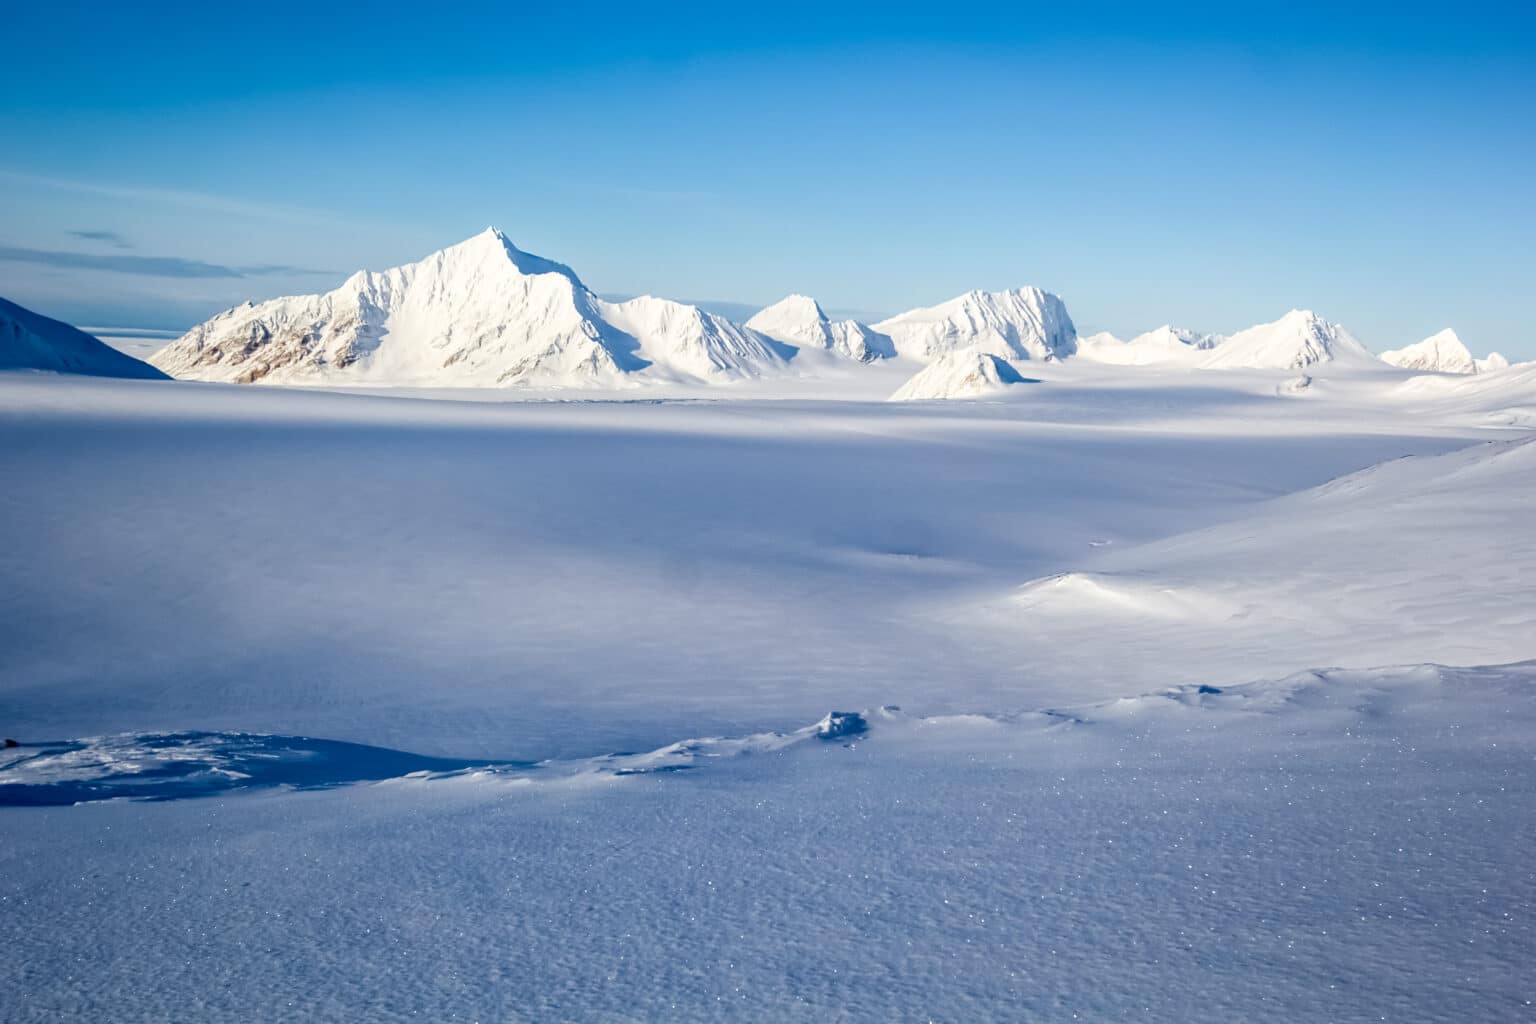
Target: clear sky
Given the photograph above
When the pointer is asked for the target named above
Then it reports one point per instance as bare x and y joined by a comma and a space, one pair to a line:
1210, 165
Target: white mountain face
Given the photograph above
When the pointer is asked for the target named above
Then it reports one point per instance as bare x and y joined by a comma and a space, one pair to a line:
1025, 323
966, 373
478, 314
678, 341
31, 341
1299, 339
798, 320
1442, 352
1166, 344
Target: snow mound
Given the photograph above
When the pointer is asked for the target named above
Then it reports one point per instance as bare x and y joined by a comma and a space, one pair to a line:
1318, 576
31, 341
1166, 344
1025, 323
1299, 385
841, 725
1438, 353
798, 320
482, 313
1297, 340
969, 373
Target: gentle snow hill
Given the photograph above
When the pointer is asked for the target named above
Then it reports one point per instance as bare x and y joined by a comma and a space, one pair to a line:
478, 314
1297, 340
1414, 559
1025, 323
31, 341
969, 373
1498, 398
798, 320
1166, 344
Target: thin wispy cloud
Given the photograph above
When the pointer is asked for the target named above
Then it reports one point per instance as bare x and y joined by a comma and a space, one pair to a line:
277, 269
147, 266
174, 197
109, 237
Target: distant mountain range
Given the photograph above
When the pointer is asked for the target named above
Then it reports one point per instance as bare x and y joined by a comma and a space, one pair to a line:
483, 313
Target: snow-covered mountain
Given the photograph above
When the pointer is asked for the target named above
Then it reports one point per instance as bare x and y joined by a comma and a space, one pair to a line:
1299, 339
478, 314
1025, 323
1166, 344
966, 373
798, 320
31, 341
1443, 352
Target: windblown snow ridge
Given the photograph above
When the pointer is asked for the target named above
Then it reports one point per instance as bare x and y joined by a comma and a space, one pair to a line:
172, 766
156, 767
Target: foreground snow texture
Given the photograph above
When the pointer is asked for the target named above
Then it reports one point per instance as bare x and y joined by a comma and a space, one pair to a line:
1339, 846
520, 711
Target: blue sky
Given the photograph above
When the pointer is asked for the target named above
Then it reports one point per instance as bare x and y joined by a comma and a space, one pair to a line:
1203, 165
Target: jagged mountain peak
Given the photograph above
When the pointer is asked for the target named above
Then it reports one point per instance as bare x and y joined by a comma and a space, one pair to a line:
1441, 352
799, 320
1019, 323
480, 313
797, 305
1298, 339
493, 247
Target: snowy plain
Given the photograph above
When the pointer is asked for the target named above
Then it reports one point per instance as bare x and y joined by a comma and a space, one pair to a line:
1193, 696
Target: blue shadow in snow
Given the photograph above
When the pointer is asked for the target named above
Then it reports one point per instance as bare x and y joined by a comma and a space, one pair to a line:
174, 766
